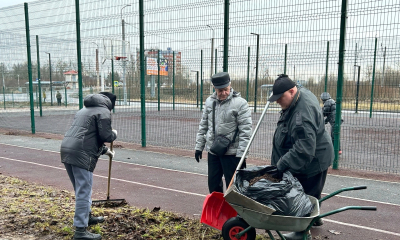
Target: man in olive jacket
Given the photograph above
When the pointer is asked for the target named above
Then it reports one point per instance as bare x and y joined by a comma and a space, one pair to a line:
80, 149
232, 118
301, 144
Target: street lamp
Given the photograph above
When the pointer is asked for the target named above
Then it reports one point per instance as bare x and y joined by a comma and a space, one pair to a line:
197, 87
255, 83
123, 53
97, 64
212, 57
51, 83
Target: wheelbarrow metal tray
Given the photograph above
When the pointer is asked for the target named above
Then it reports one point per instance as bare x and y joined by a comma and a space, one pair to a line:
232, 196
261, 220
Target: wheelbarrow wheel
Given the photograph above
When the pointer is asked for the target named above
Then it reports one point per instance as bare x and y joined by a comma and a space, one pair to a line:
234, 226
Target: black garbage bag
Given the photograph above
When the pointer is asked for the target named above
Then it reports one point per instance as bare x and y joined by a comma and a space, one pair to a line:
286, 196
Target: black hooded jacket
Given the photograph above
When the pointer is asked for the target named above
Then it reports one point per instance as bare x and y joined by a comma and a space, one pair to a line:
84, 141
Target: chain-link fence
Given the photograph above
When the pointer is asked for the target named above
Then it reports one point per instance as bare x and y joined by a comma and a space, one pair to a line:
185, 42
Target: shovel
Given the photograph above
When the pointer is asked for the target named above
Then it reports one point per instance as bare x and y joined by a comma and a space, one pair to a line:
109, 202
216, 210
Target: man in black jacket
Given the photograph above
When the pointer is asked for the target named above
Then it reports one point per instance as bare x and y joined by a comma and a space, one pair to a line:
301, 144
80, 149
329, 111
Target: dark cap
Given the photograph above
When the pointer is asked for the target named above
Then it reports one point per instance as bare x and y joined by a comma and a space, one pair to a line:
111, 96
220, 80
281, 85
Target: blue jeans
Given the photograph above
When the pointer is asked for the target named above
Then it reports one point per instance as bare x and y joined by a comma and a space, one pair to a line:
82, 181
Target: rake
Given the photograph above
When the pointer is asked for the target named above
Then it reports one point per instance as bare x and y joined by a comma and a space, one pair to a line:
109, 202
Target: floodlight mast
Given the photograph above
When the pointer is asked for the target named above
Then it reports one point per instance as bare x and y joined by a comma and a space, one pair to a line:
123, 53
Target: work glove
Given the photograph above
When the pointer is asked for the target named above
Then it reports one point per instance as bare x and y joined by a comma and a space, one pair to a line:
110, 153
115, 131
197, 155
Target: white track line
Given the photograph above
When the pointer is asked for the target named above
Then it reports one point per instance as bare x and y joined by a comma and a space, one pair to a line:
168, 169
116, 179
362, 227
196, 194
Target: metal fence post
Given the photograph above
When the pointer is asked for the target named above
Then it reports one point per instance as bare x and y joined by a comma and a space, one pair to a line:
173, 80
373, 81
248, 73
216, 58
66, 100
358, 88
226, 40
112, 79
28, 49
284, 64
197, 88
326, 67
4, 97
38, 69
78, 49
142, 69
336, 130
201, 81
158, 79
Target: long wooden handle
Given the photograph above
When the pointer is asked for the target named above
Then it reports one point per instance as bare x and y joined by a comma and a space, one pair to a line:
109, 171
251, 140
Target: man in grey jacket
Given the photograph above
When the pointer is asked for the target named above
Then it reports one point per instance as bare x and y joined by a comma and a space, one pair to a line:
232, 120
301, 144
80, 149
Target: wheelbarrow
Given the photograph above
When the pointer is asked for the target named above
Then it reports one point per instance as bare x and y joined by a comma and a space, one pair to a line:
250, 217
237, 216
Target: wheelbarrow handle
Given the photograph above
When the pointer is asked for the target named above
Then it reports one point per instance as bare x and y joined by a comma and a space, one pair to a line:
342, 190
359, 187
239, 166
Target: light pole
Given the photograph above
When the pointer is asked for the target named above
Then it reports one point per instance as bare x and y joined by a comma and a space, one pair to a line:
255, 82
123, 53
383, 71
97, 64
212, 57
51, 83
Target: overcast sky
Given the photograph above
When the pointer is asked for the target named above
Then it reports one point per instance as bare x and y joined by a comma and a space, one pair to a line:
6, 3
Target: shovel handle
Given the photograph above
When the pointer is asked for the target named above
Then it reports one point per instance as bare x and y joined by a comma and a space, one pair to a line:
109, 172
239, 166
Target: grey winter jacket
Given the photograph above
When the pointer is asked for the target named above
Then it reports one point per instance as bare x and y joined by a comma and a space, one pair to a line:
84, 142
301, 143
230, 114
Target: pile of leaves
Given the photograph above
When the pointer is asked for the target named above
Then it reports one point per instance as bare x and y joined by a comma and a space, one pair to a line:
31, 211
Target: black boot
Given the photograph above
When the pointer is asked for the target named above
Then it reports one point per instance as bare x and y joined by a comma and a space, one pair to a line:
95, 220
297, 236
319, 222
82, 234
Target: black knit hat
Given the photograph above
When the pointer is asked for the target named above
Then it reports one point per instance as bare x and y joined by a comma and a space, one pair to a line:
221, 80
281, 85
111, 96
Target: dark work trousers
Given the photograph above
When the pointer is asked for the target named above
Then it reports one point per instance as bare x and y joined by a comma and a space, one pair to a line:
313, 185
333, 137
218, 166
82, 181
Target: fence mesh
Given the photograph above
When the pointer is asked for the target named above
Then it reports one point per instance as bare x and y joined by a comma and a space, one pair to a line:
186, 37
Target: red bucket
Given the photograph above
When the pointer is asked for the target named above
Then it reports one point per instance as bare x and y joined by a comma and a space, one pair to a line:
216, 211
